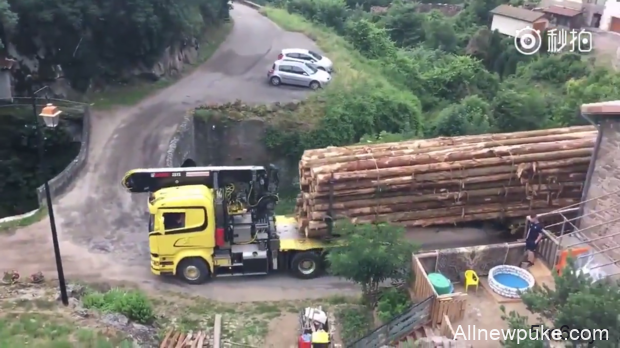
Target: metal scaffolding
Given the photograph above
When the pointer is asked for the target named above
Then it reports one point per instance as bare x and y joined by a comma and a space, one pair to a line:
605, 249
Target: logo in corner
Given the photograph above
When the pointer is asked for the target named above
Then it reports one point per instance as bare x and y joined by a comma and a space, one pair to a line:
528, 41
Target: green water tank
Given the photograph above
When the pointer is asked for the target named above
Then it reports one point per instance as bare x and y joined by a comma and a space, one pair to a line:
441, 284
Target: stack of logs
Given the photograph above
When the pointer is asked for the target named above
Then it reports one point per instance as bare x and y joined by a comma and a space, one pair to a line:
444, 180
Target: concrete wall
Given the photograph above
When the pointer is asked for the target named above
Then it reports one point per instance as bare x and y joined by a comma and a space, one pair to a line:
235, 143
60, 183
612, 9
508, 26
224, 142
5, 84
605, 181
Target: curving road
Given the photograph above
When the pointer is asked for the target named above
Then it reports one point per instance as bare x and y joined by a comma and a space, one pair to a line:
103, 229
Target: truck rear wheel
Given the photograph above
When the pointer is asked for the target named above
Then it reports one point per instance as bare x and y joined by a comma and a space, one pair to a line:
306, 265
193, 270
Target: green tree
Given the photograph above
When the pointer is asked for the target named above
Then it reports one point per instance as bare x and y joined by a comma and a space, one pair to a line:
332, 13
8, 21
100, 40
404, 24
557, 69
372, 41
577, 302
370, 255
517, 107
439, 32
471, 116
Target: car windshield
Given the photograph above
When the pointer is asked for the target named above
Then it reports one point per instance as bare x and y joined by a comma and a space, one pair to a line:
315, 55
311, 69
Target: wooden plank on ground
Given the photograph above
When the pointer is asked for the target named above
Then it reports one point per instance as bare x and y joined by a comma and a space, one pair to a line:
165, 340
217, 331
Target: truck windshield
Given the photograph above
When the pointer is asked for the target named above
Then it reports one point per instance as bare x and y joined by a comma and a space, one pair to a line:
151, 223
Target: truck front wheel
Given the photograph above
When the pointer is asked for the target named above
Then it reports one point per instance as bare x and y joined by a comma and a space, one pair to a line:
306, 265
193, 270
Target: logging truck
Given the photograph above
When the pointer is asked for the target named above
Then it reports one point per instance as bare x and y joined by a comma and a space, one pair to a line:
207, 222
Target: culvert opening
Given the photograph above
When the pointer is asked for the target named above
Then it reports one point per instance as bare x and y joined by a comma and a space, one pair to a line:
188, 163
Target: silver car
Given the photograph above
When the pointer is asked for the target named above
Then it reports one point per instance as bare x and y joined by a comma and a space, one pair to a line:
306, 56
298, 74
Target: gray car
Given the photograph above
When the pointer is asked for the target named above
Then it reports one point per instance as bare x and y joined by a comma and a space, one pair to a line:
297, 74
306, 56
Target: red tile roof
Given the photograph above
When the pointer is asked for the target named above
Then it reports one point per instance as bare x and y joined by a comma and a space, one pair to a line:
562, 11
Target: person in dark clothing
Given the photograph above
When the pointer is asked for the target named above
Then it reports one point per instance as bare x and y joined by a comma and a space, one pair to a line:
533, 237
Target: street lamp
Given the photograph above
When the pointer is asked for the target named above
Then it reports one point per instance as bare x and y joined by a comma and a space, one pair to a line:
50, 115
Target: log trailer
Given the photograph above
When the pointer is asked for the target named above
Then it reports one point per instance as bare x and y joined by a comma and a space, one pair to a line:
209, 222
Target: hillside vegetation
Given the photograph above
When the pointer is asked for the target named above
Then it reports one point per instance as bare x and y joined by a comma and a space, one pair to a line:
405, 74
97, 40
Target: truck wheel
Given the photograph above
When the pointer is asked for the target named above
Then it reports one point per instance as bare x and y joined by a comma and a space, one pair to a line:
306, 265
193, 270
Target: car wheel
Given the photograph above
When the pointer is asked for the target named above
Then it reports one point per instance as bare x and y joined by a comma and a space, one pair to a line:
193, 270
315, 85
306, 265
275, 81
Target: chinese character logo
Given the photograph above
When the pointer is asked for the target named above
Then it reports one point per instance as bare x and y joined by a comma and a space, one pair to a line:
557, 40
577, 41
581, 41
528, 41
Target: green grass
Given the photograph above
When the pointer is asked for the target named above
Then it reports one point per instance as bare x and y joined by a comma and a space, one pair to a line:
11, 225
132, 94
51, 331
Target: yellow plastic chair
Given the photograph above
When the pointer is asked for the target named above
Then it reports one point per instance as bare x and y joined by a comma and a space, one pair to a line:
471, 278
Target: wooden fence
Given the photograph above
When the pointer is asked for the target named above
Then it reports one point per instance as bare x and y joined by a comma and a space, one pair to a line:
397, 329
446, 329
451, 306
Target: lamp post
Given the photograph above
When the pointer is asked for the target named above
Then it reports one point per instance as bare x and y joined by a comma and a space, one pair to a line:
50, 116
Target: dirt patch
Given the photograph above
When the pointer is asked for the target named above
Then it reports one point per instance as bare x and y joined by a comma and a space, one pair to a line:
483, 313
32, 313
283, 331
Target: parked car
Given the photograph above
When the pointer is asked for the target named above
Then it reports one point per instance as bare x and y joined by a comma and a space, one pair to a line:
298, 74
307, 56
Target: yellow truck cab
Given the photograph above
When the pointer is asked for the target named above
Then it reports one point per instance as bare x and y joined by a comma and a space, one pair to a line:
219, 221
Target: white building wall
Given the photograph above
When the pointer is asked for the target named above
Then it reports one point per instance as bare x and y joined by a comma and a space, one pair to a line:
508, 26
5, 84
612, 9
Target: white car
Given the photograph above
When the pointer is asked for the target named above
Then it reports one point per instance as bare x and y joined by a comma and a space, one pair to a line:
307, 56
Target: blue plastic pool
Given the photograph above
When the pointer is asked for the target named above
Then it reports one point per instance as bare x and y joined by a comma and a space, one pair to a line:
511, 280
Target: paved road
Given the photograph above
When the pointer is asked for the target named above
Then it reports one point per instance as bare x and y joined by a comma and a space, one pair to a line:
103, 229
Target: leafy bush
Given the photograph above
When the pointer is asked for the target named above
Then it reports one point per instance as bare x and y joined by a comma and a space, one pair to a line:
370, 40
392, 303
332, 13
355, 322
556, 68
470, 116
131, 303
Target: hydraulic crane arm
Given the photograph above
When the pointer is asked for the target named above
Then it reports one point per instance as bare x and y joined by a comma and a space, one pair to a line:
151, 180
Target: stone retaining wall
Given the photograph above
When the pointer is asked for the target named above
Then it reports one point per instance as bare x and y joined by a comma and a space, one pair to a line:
182, 145
60, 183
